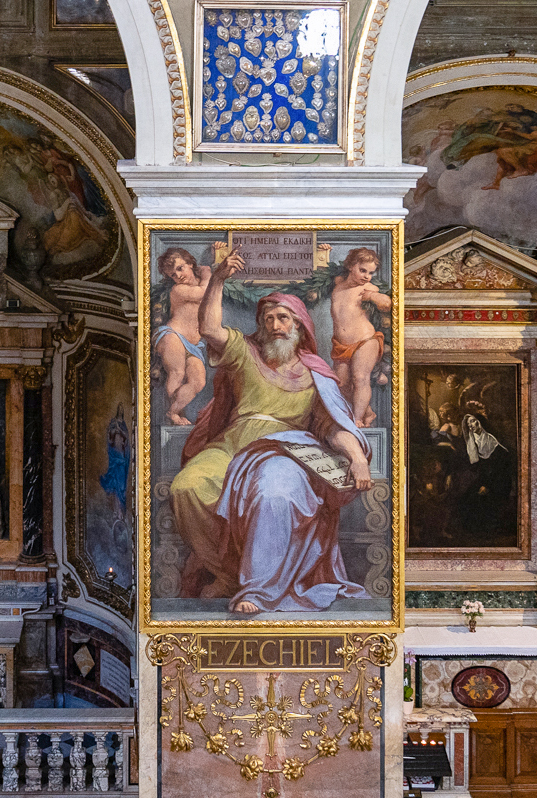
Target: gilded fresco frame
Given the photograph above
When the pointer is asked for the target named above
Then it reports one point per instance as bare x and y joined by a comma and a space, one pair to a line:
260, 5
468, 359
253, 626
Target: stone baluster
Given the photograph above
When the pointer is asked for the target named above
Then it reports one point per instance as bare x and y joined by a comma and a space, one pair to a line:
100, 763
119, 763
77, 758
55, 764
32, 759
10, 759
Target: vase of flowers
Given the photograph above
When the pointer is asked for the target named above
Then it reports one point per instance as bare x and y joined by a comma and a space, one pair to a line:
472, 610
408, 691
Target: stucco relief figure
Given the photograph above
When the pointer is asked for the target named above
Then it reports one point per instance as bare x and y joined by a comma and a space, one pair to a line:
177, 339
263, 531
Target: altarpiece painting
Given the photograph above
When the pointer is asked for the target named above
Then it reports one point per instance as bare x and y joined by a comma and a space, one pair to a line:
467, 454
269, 455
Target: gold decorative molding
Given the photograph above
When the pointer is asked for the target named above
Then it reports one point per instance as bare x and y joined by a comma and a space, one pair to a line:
360, 80
32, 377
175, 69
465, 63
220, 713
446, 70
67, 111
71, 330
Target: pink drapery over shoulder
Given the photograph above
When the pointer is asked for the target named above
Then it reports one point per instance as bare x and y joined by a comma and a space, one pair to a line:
209, 424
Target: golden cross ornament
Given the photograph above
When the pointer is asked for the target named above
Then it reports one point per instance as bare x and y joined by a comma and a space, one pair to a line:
271, 716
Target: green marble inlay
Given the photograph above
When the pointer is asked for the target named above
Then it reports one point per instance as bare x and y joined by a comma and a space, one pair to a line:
452, 599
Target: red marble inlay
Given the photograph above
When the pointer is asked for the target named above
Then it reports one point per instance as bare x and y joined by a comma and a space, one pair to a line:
458, 759
478, 315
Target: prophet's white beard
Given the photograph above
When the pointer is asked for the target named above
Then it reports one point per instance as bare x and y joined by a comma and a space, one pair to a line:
279, 350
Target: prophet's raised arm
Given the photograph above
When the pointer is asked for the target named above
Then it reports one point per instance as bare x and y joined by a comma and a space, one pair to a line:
210, 310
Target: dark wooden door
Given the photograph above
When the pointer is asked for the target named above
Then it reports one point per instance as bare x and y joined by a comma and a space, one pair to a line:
503, 753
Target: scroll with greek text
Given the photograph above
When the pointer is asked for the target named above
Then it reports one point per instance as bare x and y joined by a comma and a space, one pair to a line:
324, 463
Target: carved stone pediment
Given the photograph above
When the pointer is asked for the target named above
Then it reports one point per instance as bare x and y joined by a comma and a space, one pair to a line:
8, 216
464, 268
470, 262
30, 301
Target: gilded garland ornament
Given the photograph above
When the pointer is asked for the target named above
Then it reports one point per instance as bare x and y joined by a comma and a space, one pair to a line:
218, 708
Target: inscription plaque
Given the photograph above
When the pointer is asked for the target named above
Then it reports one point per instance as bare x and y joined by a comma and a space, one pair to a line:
259, 652
275, 255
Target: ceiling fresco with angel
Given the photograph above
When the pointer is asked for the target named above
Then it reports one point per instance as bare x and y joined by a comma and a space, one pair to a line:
480, 150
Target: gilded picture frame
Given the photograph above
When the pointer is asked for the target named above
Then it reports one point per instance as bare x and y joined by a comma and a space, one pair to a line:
455, 491
162, 561
81, 14
98, 434
262, 83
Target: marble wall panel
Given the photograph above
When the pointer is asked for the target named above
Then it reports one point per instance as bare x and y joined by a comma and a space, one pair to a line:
438, 674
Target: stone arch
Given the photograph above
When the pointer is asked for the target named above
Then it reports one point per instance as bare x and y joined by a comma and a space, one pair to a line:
155, 62
470, 73
378, 83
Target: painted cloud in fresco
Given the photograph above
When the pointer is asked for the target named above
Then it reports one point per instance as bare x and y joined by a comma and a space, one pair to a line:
480, 150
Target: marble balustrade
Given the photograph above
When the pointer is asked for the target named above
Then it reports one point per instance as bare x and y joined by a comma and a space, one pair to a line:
62, 751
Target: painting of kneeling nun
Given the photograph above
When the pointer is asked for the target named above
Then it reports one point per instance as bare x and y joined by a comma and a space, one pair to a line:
485, 505
463, 454
262, 529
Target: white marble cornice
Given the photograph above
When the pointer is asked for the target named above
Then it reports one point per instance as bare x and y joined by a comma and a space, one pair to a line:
269, 192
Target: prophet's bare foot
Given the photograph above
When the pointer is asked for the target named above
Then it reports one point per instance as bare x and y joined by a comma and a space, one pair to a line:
216, 589
369, 417
495, 186
382, 379
519, 173
247, 607
179, 421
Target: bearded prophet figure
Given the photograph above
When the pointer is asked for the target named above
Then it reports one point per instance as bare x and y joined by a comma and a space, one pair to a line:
264, 527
